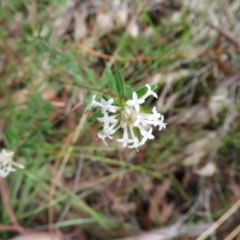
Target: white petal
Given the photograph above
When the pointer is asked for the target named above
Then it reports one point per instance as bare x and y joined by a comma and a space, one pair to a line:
94, 103
102, 136
135, 102
125, 140
7, 164
107, 105
7, 153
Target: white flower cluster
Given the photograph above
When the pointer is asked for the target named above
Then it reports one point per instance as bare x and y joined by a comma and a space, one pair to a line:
128, 116
6, 163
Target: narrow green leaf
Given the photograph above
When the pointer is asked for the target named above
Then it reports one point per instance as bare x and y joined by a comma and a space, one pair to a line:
95, 116
128, 91
12, 137
103, 221
143, 89
120, 83
111, 80
146, 110
137, 133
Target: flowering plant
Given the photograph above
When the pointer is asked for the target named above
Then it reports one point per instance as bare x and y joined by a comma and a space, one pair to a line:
7, 164
127, 114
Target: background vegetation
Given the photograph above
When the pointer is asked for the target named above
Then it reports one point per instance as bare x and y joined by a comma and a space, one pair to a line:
52, 60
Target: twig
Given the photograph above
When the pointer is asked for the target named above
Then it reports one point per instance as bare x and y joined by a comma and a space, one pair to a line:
224, 33
141, 58
6, 202
15, 228
216, 225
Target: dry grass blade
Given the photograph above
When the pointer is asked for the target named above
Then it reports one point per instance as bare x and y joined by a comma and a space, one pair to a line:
169, 233
116, 58
233, 234
66, 157
17, 228
222, 219
39, 236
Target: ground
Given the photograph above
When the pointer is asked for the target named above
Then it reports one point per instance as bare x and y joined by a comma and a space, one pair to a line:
53, 59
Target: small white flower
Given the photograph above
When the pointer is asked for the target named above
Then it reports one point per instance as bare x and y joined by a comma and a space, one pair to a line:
105, 105
155, 115
125, 140
146, 135
128, 117
109, 127
135, 141
7, 164
135, 102
107, 120
156, 119
149, 92
94, 103
102, 135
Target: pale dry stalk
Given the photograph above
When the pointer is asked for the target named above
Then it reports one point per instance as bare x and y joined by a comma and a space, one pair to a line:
222, 219
233, 234
65, 159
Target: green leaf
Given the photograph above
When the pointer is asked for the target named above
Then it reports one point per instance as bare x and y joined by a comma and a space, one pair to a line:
143, 89
128, 91
29, 145
139, 90
146, 110
137, 133
120, 83
111, 80
12, 137
95, 116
